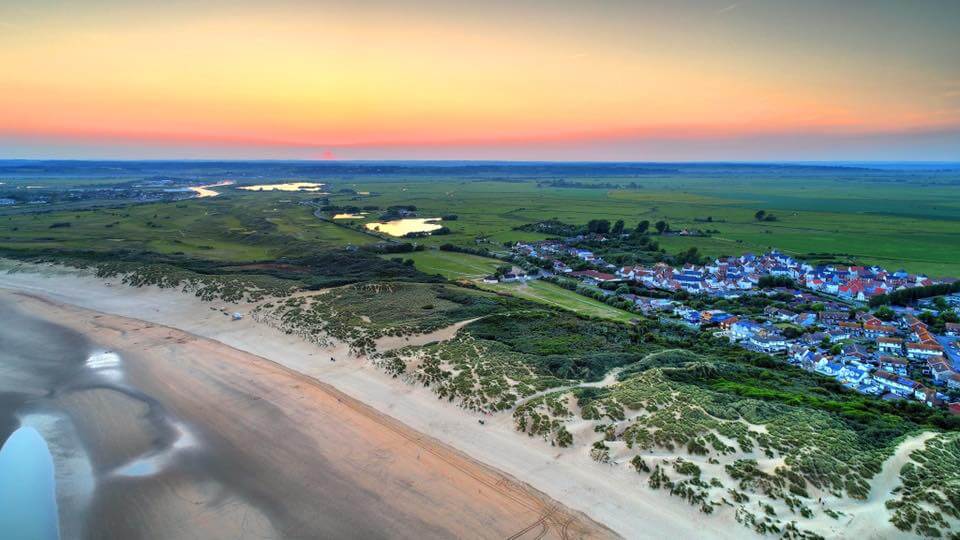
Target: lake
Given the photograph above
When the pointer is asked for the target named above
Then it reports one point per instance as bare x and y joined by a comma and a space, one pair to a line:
400, 227
28, 505
350, 216
289, 186
205, 191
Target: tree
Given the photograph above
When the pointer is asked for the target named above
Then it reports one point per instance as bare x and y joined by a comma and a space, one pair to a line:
617, 227
884, 313
598, 226
760, 215
661, 226
691, 256
623, 289
642, 227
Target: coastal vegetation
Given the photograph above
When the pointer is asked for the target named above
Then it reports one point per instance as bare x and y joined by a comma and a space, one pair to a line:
360, 314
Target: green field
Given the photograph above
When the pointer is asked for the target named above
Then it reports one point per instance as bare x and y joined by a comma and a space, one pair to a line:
459, 266
548, 293
453, 265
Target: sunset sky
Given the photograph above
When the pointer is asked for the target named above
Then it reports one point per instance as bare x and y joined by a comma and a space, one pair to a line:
551, 79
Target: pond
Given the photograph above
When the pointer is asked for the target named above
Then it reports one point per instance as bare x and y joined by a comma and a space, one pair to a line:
289, 186
205, 191
28, 505
400, 227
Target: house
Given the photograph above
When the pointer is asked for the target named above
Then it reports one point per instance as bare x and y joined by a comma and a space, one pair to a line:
727, 323
928, 396
853, 374
594, 276
873, 330
744, 329
714, 316
807, 318
953, 381
952, 329
838, 335
939, 370
853, 328
833, 316
921, 351
894, 364
491, 279
769, 343
895, 383
830, 369
890, 345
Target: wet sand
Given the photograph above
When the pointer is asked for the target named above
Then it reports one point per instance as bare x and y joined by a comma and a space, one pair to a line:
190, 438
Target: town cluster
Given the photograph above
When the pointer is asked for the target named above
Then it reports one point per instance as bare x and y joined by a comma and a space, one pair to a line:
899, 358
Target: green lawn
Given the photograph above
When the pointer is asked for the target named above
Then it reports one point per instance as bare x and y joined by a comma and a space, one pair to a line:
548, 293
452, 265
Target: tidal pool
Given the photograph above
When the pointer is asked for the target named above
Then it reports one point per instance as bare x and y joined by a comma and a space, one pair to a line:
289, 186
28, 504
400, 227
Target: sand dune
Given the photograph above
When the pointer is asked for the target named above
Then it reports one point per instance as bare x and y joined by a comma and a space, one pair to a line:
610, 496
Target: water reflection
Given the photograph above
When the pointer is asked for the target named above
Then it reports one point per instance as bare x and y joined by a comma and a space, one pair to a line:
289, 186
106, 364
205, 191
400, 227
156, 462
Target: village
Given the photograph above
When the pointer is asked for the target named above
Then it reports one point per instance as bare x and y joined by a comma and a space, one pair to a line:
813, 317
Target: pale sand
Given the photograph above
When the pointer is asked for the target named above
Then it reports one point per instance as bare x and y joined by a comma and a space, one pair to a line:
271, 453
614, 496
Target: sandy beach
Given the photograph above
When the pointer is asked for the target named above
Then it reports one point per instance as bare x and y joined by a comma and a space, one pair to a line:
607, 495
190, 438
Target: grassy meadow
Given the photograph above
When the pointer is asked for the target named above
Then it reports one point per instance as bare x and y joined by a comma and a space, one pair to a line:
913, 226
